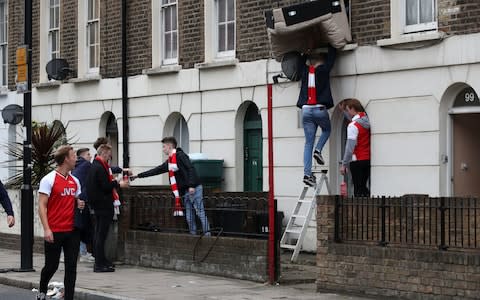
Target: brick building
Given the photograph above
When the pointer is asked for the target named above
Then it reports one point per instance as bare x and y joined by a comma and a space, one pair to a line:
194, 65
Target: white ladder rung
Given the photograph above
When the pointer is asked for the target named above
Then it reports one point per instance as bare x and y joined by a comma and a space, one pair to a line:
297, 231
299, 216
287, 246
305, 201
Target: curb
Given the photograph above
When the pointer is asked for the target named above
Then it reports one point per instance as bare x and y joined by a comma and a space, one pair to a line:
80, 293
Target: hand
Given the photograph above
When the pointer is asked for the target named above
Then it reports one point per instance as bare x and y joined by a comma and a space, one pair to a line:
10, 221
343, 170
123, 184
48, 236
191, 190
129, 172
133, 177
80, 204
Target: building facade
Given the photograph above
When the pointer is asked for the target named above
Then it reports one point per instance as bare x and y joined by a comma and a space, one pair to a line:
198, 70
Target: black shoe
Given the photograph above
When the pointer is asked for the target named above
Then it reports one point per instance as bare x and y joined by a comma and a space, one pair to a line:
318, 157
109, 264
309, 180
102, 269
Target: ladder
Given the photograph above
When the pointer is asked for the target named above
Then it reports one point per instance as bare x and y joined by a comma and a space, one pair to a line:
297, 225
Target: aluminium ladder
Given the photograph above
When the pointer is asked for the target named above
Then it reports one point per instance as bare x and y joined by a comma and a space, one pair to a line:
297, 225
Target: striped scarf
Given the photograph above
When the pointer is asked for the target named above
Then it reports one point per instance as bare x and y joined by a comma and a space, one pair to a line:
105, 165
172, 168
312, 91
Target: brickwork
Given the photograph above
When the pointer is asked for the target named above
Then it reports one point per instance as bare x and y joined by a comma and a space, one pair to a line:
69, 32
191, 41
370, 21
459, 16
230, 257
391, 271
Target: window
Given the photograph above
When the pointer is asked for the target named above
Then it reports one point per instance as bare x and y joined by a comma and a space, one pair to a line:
54, 29
180, 132
225, 27
93, 35
420, 15
3, 43
169, 32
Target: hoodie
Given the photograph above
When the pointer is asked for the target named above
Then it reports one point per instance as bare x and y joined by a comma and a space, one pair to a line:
82, 166
358, 139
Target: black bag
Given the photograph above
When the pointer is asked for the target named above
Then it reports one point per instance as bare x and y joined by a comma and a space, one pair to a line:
79, 218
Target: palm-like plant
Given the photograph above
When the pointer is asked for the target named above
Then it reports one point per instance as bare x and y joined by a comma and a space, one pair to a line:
46, 138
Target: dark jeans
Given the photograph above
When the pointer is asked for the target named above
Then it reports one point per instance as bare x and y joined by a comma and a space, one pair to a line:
360, 170
102, 224
70, 242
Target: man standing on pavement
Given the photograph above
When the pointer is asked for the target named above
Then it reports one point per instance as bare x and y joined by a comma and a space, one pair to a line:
7, 205
58, 195
101, 190
184, 181
82, 166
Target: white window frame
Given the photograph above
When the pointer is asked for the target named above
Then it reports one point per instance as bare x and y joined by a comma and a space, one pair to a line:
4, 46
53, 30
163, 33
227, 53
88, 23
419, 27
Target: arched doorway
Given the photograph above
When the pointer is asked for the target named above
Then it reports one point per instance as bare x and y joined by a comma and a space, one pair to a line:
253, 150
177, 126
109, 129
465, 143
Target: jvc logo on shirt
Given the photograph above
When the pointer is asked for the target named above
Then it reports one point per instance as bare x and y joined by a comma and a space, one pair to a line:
68, 192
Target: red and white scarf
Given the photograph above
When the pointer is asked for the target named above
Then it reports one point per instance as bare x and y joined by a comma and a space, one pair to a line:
172, 168
110, 176
312, 90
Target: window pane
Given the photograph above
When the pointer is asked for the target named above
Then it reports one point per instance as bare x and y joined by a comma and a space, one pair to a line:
54, 41
426, 11
92, 57
96, 13
57, 17
174, 45
221, 11
168, 45
231, 36
52, 18
174, 17
411, 12
90, 9
221, 38
92, 33
168, 19
231, 10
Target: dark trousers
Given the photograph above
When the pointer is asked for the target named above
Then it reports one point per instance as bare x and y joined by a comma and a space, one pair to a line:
360, 170
102, 224
70, 242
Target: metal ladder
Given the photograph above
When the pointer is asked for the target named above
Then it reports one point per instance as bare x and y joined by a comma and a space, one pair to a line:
297, 225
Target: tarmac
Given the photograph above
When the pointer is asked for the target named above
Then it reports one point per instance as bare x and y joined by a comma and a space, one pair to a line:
131, 282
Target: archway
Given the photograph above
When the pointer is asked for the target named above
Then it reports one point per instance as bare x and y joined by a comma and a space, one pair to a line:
109, 129
252, 150
177, 126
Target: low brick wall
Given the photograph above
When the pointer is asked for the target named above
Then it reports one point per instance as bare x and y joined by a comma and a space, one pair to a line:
230, 257
12, 241
392, 270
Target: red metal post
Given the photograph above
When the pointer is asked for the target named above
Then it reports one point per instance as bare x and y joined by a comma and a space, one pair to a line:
271, 204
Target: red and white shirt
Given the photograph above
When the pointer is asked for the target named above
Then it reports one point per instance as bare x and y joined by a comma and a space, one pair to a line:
62, 193
356, 132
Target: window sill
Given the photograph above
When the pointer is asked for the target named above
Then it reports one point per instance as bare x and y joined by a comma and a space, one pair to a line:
47, 85
4, 90
86, 79
231, 62
167, 69
349, 47
412, 38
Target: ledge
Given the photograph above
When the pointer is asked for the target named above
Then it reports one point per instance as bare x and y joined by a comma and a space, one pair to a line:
162, 70
86, 79
412, 38
349, 47
47, 85
217, 64
4, 91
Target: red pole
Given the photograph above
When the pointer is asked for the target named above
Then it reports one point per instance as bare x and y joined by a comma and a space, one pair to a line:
271, 205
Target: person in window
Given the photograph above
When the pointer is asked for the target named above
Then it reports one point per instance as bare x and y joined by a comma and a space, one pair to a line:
357, 148
184, 182
7, 205
315, 99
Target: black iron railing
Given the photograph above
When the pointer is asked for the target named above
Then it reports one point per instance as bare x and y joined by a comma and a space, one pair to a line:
416, 220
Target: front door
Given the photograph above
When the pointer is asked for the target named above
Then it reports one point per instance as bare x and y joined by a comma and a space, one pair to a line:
466, 152
253, 177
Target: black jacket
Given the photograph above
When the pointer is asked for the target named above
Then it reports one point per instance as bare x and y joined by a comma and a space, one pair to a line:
186, 176
5, 200
99, 189
322, 81
82, 167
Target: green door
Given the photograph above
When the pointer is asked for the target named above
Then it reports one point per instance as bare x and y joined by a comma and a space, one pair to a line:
253, 155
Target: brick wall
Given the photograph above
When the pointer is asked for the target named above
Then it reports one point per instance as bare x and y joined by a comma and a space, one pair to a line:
69, 32
391, 271
229, 257
191, 41
370, 21
459, 16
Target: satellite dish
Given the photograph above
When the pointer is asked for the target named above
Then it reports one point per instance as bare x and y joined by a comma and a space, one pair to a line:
12, 114
291, 65
58, 69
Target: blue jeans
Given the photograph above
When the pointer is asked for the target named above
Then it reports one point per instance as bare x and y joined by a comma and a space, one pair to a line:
194, 205
314, 117
83, 248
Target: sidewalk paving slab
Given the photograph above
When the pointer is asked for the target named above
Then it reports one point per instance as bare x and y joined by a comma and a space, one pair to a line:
131, 282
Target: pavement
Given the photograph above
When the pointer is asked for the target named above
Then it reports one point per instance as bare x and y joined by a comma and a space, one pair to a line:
131, 282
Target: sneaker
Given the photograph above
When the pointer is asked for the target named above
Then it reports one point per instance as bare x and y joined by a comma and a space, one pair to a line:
309, 180
41, 296
88, 258
318, 157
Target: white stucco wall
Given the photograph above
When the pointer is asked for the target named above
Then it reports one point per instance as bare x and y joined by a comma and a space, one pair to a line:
401, 90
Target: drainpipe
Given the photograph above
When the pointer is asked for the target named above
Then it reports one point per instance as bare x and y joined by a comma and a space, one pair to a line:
271, 202
125, 127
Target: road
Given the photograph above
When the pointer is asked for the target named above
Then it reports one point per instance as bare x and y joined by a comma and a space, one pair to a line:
13, 293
